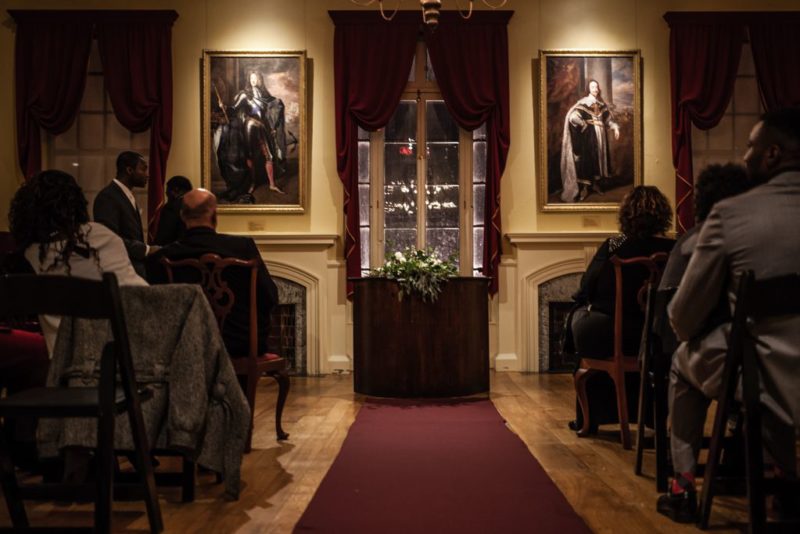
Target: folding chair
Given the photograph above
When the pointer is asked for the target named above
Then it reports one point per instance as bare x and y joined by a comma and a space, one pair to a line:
24, 295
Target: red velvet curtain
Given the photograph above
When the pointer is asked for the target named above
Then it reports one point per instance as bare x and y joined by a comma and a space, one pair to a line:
470, 58
136, 51
704, 53
372, 59
51, 57
50, 60
776, 53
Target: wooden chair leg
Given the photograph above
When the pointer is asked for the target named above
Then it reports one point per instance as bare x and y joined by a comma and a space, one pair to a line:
622, 410
580, 378
250, 393
645, 404
16, 508
189, 475
145, 470
712, 464
660, 414
282, 378
105, 465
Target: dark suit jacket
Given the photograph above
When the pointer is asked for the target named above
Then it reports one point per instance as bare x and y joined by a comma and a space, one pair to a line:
113, 209
199, 241
170, 225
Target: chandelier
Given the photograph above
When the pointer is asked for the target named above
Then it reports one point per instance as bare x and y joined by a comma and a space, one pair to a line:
430, 9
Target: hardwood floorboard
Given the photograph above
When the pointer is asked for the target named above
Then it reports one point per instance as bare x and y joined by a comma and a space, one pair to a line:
280, 478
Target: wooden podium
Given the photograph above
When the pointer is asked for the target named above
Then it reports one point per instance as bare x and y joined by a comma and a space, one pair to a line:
411, 348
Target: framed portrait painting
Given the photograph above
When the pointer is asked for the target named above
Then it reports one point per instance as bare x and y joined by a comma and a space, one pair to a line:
254, 130
590, 129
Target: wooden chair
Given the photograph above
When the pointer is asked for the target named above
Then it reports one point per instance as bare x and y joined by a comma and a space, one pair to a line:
23, 295
755, 301
653, 387
208, 271
620, 363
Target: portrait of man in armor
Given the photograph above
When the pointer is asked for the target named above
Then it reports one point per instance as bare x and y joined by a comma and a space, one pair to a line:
254, 136
590, 129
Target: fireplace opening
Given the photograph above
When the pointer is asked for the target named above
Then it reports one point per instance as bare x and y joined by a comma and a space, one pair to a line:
558, 361
282, 333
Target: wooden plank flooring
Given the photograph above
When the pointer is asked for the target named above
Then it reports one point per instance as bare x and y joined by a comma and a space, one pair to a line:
596, 475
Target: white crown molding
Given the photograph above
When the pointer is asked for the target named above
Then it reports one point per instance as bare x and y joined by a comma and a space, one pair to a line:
535, 238
293, 239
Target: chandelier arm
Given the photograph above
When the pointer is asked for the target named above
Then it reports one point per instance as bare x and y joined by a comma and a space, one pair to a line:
501, 4
363, 4
469, 12
390, 17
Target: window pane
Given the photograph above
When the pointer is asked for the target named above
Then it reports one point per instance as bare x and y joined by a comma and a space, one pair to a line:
403, 124
479, 134
400, 239
92, 174
400, 185
746, 97
479, 161
443, 242
117, 136
478, 204
477, 248
365, 248
363, 162
363, 135
68, 140
363, 204
440, 124
93, 94
90, 130
442, 206
429, 74
413, 74
442, 163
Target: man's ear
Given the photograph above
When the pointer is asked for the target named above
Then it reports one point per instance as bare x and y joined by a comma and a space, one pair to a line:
773, 156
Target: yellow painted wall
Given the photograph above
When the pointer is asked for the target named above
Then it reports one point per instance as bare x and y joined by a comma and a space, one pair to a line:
304, 24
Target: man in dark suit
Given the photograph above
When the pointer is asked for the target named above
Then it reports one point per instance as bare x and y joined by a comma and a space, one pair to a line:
115, 207
199, 213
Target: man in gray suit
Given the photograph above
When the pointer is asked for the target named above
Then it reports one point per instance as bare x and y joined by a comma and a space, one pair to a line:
756, 230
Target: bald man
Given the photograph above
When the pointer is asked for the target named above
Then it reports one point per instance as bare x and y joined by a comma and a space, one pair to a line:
199, 214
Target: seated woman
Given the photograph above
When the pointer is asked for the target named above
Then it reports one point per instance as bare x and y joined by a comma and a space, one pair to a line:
644, 216
49, 220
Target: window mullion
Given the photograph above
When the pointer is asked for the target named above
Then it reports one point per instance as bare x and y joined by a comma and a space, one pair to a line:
422, 168
465, 201
377, 208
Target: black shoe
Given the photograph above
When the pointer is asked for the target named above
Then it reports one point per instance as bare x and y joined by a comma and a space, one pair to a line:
681, 508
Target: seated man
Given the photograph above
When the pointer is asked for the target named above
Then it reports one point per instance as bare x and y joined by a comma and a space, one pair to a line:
199, 213
170, 225
752, 231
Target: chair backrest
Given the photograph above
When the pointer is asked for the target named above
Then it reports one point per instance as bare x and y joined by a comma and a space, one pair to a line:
80, 298
646, 276
209, 271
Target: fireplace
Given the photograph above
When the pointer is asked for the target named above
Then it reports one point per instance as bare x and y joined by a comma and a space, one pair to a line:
287, 329
555, 300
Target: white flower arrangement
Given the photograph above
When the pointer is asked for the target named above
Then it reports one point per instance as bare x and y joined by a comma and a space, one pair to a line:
417, 271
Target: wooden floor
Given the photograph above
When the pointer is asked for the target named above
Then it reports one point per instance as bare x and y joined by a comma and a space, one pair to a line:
596, 475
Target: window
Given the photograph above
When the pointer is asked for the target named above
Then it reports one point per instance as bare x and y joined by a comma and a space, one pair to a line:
88, 151
727, 141
422, 179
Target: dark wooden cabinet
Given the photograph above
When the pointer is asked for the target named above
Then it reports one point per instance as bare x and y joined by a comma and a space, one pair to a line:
411, 348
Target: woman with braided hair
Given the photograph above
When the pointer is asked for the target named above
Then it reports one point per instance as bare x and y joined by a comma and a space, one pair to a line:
49, 220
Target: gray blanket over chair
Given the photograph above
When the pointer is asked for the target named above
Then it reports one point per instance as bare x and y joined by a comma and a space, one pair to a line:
198, 406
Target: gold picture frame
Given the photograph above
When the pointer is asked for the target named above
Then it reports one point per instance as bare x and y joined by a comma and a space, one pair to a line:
254, 143
590, 107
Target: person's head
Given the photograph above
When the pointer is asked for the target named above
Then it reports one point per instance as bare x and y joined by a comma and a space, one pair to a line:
132, 169
593, 88
199, 208
177, 186
255, 79
774, 144
49, 207
716, 182
644, 212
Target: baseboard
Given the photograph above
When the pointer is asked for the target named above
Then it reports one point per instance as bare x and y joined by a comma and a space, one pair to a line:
340, 362
506, 362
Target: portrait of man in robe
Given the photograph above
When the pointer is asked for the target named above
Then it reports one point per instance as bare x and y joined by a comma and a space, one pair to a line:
590, 129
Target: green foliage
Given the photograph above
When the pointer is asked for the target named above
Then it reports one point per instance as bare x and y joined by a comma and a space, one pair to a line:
417, 271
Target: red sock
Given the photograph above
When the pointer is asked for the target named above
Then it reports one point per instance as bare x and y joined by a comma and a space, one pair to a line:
682, 482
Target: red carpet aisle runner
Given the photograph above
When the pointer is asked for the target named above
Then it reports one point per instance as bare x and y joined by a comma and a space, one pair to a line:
436, 467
